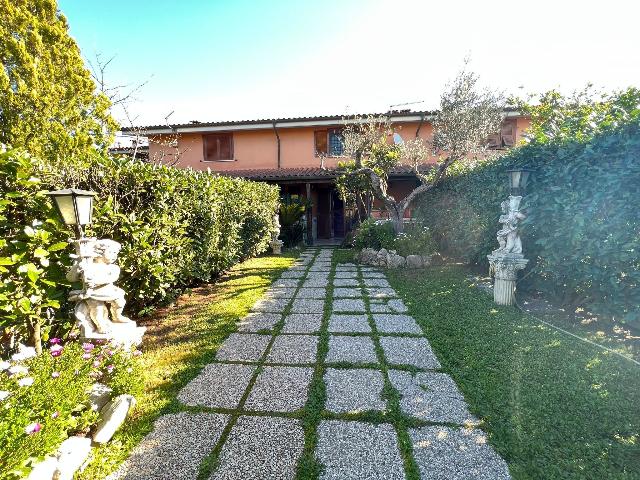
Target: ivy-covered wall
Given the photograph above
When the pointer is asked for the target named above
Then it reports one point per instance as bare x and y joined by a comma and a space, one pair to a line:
177, 227
582, 233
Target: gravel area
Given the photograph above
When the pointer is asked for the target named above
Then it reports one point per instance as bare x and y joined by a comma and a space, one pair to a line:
358, 451
243, 347
351, 349
349, 323
172, 450
273, 305
431, 396
261, 448
255, 322
348, 305
376, 282
345, 282
280, 389
302, 323
294, 349
347, 292
219, 385
444, 453
409, 351
354, 390
307, 305
395, 324
346, 274
319, 293
378, 292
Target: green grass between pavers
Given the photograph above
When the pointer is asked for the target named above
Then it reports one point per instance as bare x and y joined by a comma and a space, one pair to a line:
179, 342
554, 407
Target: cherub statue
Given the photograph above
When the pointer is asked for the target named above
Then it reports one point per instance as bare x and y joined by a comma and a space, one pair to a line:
508, 236
276, 231
99, 298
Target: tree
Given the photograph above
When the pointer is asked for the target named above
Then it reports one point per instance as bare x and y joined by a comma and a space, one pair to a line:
48, 101
466, 118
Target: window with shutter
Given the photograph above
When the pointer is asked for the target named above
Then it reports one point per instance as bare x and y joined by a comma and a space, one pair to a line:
218, 147
321, 142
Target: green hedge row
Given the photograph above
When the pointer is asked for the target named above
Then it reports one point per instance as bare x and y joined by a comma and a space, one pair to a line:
177, 227
582, 233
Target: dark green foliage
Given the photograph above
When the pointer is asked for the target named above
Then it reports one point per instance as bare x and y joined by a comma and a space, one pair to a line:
374, 234
583, 228
292, 227
415, 240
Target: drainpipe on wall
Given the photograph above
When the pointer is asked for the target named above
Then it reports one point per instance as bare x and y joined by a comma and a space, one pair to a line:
275, 130
420, 124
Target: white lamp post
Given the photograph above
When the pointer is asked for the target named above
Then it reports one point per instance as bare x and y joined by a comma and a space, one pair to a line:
75, 207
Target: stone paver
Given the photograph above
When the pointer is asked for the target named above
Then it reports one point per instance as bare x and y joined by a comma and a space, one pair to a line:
409, 351
286, 283
347, 292
372, 274
261, 448
302, 323
444, 453
280, 389
354, 390
273, 305
307, 305
254, 322
395, 324
175, 448
292, 274
379, 292
243, 347
387, 305
349, 323
315, 283
346, 274
318, 293
348, 305
351, 349
293, 349
431, 396
376, 282
358, 451
219, 385
280, 292
345, 282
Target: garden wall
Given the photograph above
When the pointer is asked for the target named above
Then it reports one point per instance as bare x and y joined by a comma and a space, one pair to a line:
583, 230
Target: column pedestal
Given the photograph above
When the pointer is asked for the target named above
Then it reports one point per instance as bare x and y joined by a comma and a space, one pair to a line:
505, 267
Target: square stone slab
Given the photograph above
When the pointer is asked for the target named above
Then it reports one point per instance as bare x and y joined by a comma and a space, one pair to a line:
255, 322
351, 349
358, 451
241, 347
219, 385
172, 450
409, 351
302, 323
444, 453
307, 305
299, 268
316, 283
431, 396
317, 292
395, 324
346, 274
273, 305
293, 349
292, 274
354, 390
346, 269
345, 282
371, 274
387, 305
348, 305
319, 269
349, 323
286, 282
280, 389
260, 448
288, 292
347, 292
317, 275
377, 292
376, 282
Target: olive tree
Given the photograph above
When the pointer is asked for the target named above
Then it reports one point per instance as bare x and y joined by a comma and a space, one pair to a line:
467, 116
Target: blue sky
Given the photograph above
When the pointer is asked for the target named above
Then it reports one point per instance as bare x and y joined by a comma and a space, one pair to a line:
217, 60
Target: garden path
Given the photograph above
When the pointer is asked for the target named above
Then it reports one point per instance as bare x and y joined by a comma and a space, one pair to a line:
327, 368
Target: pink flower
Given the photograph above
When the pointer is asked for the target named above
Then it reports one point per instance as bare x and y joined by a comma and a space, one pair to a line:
55, 374
86, 356
32, 428
56, 350
96, 363
87, 347
55, 341
137, 353
109, 353
74, 335
55, 414
110, 368
95, 375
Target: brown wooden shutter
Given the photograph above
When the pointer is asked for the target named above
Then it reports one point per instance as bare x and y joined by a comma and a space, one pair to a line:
218, 146
321, 142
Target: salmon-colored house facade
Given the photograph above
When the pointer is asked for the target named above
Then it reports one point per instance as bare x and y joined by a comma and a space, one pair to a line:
298, 154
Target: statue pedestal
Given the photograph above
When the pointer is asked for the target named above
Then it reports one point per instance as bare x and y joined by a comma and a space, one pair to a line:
505, 267
276, 246
128, 335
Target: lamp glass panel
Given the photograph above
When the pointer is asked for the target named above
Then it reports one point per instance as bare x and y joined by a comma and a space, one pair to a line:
514, 178
65, 205
85, 206
524, 178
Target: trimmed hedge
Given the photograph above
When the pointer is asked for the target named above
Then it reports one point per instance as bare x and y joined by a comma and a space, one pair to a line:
583, 229
178, 228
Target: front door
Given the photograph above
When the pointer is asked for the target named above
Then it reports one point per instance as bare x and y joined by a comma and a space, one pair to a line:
338, 214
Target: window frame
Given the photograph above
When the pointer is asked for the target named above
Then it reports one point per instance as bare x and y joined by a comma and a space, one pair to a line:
327, 132
208, 136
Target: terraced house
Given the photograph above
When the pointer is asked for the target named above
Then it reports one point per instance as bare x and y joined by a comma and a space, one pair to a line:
298, 154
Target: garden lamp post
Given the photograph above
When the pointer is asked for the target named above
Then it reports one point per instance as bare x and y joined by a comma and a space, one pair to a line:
507, 260
75, 207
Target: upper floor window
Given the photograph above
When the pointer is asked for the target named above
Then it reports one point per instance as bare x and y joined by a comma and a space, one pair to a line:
505, 139
329, 142
218, 147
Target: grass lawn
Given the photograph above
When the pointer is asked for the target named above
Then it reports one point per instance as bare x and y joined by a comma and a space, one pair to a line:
179, 342
554, 407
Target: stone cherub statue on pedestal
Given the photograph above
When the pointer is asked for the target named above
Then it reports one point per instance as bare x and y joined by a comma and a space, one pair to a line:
509, 236
276, 243
99, 303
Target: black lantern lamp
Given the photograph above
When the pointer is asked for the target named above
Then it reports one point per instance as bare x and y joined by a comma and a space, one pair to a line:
518, 179
75, 207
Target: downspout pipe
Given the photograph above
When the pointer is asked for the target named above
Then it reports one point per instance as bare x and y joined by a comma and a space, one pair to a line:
275, 130
420, 124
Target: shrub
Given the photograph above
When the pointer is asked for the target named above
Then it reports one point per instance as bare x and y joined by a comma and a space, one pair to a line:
374, 234
415, 240
292, 228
